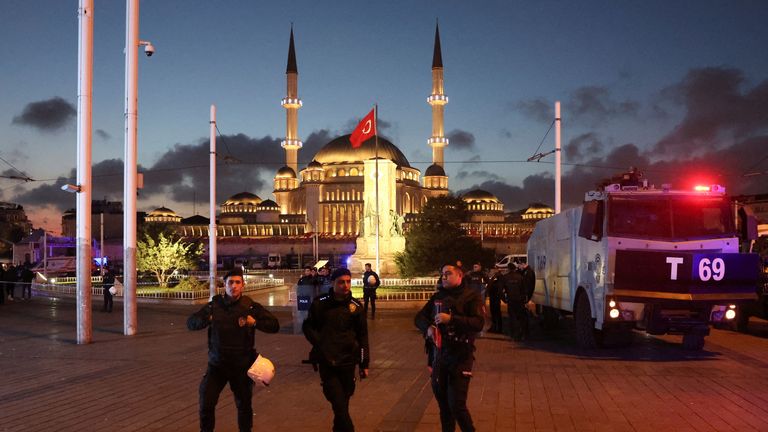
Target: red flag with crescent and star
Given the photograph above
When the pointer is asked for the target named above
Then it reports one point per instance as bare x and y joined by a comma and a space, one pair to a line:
364, 130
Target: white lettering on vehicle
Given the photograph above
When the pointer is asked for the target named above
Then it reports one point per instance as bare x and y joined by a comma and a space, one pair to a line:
675, 261
714, 269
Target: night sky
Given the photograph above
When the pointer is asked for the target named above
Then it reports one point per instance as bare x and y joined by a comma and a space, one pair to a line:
679, 89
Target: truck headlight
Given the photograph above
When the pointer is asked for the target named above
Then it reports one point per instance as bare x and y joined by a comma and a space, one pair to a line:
614, 313
730, 314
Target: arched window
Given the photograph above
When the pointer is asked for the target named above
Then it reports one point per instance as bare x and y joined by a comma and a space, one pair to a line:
342, 172
354, 172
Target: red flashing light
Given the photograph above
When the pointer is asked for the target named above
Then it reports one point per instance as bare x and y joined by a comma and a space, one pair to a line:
701, 188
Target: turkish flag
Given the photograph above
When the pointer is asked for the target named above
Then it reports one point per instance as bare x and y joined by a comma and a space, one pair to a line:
364, 130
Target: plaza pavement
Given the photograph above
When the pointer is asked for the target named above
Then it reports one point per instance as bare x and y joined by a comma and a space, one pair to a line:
148, 382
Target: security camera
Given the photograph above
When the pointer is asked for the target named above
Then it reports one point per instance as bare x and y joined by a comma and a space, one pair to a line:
149, 49
71, 188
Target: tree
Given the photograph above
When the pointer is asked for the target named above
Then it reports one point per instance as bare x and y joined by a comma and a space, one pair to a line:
163, 255
437, 238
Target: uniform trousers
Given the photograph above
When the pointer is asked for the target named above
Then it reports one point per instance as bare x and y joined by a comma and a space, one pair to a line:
214, 380
450, 386
369, 294
338, 386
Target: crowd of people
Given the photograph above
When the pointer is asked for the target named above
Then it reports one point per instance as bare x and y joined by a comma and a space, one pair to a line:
16, 279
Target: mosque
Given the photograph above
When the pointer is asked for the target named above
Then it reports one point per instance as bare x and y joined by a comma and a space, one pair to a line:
329, 206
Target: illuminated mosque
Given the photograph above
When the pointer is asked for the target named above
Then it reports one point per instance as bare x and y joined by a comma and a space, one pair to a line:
333, 197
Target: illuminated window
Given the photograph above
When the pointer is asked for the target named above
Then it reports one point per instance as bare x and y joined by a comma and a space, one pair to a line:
354, 172
342, 172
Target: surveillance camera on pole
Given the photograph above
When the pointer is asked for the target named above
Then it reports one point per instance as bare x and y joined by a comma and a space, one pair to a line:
149, 49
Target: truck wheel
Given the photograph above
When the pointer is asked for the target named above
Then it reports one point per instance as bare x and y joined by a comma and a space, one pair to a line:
585, 324
693, 342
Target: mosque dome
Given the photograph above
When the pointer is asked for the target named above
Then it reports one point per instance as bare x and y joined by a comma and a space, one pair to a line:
286, 172
244, 199
314, 165
340, 150
479, 196
269, 205
434, 170
538, 211
162, 212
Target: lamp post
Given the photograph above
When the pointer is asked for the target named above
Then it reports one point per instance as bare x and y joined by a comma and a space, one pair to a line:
130, 176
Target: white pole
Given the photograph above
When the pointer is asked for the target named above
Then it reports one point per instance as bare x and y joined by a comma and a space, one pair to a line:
212, 255
558, 192
376, 136
84, 130
101, 245
129, 177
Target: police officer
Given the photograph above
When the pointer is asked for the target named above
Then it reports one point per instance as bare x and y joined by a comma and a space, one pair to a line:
478, 280
107, 282
516, 300
231, 320
450, 321
529, 279
337, 329
369, 290
495, 290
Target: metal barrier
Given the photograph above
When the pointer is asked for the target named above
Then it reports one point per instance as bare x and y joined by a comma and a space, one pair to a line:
417, 281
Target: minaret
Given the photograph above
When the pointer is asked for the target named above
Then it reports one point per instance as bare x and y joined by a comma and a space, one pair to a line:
437, 100
292, 103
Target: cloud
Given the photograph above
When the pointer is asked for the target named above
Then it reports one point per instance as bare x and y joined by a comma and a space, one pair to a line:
538, 109
101, 133
107, 183
583, 144
595, 104
462, 175
719, 111
48, 115
461, 140
587, 104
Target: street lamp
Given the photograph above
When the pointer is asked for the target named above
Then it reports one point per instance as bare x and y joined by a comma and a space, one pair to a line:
132, 44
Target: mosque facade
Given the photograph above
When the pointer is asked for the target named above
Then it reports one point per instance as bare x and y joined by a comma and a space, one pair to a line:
334, 196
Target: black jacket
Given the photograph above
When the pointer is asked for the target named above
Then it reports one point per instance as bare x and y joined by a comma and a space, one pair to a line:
365, 280
338, 331
464, 305
228, 343
529, 281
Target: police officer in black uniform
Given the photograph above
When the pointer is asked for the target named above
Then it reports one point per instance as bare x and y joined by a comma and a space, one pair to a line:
369, 290
495, 291
516, 300
337, 329
107, 282
450, 321
231, 320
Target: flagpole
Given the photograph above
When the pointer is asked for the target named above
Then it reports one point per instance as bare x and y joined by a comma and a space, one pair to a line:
376, 137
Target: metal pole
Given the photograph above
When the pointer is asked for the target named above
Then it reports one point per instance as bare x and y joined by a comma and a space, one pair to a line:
376, 136
212, 255
84, 130
129, 177
558, 174
101, 245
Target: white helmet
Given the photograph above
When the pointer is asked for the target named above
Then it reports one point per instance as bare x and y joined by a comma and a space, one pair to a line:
262, 370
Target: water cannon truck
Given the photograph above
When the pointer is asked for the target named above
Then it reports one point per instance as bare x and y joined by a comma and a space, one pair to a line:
634, 256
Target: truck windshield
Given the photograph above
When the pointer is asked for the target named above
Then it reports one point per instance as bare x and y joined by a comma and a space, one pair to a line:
673, 217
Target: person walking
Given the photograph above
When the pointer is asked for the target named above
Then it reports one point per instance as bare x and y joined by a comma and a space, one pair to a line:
231, 320
371, 281
450, 321
107, 282
337, 329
